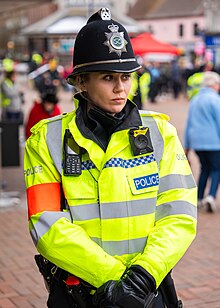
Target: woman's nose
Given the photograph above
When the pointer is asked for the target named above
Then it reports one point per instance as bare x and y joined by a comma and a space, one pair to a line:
119, 86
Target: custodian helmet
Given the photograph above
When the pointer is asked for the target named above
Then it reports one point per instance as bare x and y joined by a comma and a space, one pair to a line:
103, 44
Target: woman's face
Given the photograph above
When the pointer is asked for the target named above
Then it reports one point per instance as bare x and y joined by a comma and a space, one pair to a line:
107, 90
48, 106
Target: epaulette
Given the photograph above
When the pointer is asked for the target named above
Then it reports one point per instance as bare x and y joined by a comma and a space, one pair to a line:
43, 122
146, 113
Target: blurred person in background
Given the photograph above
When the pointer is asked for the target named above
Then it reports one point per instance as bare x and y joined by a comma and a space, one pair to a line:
46, 108
140, 85
67, 69
11, 97
155, 81
54, 72
194, 81
43, 81
202, 134
175, 79
47, 75
35, 61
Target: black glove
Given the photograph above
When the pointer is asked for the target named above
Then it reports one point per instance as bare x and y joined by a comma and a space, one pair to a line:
133, 290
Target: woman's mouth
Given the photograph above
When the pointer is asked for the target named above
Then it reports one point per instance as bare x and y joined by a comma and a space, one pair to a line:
119, 100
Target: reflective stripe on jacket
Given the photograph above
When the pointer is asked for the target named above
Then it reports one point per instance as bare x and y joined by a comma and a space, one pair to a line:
123, 209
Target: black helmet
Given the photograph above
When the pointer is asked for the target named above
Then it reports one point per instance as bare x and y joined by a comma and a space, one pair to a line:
102, 44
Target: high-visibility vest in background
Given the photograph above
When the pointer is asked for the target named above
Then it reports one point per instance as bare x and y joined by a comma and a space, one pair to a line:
8, 64
143, 82
5, 101
194, 84
37, 58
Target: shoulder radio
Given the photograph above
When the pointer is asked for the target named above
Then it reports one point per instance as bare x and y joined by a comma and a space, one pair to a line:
72, 157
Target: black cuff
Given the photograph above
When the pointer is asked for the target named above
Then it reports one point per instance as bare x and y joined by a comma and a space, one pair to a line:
139, 269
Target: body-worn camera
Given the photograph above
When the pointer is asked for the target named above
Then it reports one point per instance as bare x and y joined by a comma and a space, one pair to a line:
140, 141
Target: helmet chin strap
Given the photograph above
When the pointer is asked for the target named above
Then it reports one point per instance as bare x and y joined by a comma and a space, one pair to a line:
92, 105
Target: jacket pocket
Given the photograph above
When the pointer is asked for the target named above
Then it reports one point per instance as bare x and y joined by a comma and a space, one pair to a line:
144, 179
79, 187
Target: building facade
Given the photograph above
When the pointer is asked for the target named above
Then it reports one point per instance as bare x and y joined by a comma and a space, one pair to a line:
14, 16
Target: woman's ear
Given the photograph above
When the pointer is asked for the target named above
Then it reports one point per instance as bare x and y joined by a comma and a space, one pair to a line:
78, 79
80, 83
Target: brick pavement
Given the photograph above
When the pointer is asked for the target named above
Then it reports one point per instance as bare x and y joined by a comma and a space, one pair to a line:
197, 275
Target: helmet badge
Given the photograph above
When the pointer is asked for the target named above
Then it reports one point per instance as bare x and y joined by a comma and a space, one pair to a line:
105, 14
115, 40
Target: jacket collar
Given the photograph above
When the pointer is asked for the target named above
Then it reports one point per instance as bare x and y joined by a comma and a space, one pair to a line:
98, 126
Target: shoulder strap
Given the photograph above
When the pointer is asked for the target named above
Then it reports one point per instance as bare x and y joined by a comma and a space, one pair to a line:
156, 138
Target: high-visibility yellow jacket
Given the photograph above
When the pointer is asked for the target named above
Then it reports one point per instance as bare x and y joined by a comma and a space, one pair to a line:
194, 84
123, 209
144, 84
8, 84
8, 64
10, 96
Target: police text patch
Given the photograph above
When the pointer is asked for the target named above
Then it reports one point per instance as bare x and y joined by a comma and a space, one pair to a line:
33, 170
146, 181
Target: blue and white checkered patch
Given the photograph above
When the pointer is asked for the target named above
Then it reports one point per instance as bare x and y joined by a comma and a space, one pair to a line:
87, 165
119, 162
130, 163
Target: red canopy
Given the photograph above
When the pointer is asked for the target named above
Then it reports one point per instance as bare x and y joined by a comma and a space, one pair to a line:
145, 43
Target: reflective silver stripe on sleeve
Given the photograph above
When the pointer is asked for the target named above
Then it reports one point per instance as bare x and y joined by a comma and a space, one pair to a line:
173, 181
175, 208
113, 210
156, 138
54, 143
46, 220
122, 247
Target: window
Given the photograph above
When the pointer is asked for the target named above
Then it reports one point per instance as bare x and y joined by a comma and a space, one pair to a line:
195, 29
181, 30
150, 29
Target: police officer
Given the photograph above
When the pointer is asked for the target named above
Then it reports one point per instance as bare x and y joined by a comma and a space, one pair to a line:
11, 98
194, 84
130, 197
140, 85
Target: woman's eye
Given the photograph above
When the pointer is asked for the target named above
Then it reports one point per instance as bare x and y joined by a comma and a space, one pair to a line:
111, 77
126, 76
108, 77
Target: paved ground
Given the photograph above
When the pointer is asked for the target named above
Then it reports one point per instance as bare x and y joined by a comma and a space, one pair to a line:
197, 275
